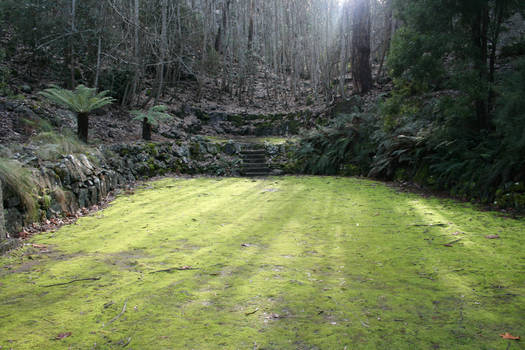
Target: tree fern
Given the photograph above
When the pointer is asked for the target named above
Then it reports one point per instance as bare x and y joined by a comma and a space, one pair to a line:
82, 101
151, 117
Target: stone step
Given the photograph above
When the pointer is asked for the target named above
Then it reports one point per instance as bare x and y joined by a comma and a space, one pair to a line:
254, 160
245, 153
245, 164
256, 169
257, 174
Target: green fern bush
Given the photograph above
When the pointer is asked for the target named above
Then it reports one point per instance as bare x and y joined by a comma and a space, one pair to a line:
150, 117
82, 101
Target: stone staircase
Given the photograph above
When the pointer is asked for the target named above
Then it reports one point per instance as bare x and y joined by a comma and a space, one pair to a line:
254, 161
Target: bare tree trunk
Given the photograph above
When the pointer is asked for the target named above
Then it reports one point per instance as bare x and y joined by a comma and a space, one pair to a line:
99, 52
388, 37
83, 126
72, 43
163, 49
361, 71
250, 27
146, 130
480, 27
344, 58
136, 49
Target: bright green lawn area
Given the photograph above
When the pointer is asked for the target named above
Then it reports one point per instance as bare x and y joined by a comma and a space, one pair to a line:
280, 263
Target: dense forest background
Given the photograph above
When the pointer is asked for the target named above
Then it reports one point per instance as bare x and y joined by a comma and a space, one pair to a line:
432, 91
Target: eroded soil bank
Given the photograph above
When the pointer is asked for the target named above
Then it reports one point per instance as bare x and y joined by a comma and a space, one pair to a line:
279, 263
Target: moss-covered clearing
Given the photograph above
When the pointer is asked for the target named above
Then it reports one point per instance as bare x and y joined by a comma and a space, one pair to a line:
281, 263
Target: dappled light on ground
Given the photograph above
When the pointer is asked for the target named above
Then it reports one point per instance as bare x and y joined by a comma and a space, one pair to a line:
279, 263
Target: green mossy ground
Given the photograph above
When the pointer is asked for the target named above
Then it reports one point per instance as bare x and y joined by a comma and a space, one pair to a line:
327, 263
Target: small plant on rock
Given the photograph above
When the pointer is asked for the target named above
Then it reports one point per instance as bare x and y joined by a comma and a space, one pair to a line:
149, 118
82, 101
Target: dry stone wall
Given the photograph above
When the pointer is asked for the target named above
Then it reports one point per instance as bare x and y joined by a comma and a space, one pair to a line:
76, 181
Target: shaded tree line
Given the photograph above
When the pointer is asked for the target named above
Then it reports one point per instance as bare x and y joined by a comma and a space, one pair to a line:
140, 49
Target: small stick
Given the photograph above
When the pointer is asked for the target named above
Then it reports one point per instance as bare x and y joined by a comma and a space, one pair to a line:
450, 243
431, 225
121, 313
251, 312
127, 343
171, 269
73, 281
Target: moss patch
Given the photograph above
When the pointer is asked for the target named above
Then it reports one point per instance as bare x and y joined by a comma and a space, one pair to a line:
281, 263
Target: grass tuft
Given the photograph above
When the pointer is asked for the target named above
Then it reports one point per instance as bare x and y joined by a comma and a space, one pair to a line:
20, 182
52, 146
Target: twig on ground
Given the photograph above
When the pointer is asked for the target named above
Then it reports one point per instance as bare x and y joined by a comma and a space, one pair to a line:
171, 269
431, 225
127, 342
121, 313
450, 243
73, 281
251, 312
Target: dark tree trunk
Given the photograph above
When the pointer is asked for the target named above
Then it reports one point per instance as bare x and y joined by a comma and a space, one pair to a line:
146, 129
361, 71
480, 26
250, 27
388, 37
218, 39
83, 126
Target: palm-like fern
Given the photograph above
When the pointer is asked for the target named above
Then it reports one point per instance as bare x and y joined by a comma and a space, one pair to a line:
151, 117
82, 101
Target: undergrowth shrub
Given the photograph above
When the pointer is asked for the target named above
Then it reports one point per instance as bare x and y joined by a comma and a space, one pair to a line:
52, 146
342, 147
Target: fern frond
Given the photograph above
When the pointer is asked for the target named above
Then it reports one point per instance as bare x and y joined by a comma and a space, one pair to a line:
81, 100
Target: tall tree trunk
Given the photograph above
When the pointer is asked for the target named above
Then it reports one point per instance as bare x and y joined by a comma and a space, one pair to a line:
361, 71
480, 26
163, 49
136, 49
99, 52
343, 56
146, 129
72, 43
388, 37
250, 26
495, 33
83, 126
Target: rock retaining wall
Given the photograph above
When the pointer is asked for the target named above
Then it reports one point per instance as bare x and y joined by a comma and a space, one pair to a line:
78, 181
3, 232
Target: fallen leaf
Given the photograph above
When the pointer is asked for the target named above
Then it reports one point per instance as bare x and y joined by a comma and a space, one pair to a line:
39, 246
507, 335
63, 335
492, 236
